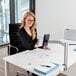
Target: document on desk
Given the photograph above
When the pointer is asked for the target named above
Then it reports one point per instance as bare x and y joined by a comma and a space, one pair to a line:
40, 53
46, 68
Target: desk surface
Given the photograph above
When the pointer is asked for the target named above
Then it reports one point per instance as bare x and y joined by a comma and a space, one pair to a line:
27, 60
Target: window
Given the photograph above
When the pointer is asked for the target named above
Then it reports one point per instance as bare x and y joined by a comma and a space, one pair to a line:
11, 11
4, 21
21, 6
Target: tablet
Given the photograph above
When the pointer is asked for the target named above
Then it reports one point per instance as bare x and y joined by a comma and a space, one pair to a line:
45, 39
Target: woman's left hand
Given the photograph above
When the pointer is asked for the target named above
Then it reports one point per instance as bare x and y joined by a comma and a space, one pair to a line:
46, 48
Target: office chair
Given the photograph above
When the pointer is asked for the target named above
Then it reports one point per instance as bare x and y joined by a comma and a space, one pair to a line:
15, 45
19, 73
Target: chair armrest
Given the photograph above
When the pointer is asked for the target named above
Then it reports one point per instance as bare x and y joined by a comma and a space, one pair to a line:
12, 47
19, 73
27, 73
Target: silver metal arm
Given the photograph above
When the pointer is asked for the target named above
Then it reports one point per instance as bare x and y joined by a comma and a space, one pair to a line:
27, 73
19, 73
13, 47
65, 44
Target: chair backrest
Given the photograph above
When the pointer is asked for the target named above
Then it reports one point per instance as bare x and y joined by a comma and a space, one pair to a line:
14, 39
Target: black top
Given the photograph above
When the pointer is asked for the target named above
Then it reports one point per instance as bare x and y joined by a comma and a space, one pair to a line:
26, 39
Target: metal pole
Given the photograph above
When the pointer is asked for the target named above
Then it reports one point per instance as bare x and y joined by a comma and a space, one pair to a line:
65, 55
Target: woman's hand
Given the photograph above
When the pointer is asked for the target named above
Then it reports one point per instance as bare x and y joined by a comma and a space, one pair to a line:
36, 45
46, 48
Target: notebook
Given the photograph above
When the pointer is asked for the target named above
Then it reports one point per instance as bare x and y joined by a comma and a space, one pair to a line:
46, 68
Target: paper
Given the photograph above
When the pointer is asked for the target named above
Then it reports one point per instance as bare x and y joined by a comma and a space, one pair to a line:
40, 53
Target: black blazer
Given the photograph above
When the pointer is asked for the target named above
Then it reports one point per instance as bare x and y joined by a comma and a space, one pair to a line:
26, 39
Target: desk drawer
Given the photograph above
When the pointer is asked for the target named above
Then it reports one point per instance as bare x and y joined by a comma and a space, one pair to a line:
71, 55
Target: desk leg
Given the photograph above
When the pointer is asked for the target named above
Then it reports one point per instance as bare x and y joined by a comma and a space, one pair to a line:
6, 68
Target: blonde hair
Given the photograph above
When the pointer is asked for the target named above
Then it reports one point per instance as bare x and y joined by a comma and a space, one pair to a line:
33, 28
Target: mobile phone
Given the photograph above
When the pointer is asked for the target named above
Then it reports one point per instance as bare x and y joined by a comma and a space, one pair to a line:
45, 39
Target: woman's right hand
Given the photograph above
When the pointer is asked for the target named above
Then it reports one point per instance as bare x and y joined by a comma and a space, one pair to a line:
37, 44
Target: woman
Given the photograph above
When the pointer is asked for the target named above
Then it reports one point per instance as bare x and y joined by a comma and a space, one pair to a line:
28, 33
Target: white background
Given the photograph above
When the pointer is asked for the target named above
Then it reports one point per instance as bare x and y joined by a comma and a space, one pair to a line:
53, 16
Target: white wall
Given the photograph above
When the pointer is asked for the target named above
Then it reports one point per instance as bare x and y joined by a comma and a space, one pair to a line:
55, 15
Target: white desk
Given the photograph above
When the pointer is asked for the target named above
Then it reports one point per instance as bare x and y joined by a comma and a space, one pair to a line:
27, 60
71, 57
69, 52
71, 71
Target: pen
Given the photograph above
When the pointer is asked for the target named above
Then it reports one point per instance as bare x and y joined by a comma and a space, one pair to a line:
46, 66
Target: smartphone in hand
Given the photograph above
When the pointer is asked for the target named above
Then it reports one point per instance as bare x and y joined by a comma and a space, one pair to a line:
45, 39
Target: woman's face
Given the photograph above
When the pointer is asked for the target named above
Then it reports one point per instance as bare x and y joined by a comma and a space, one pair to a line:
29, 21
